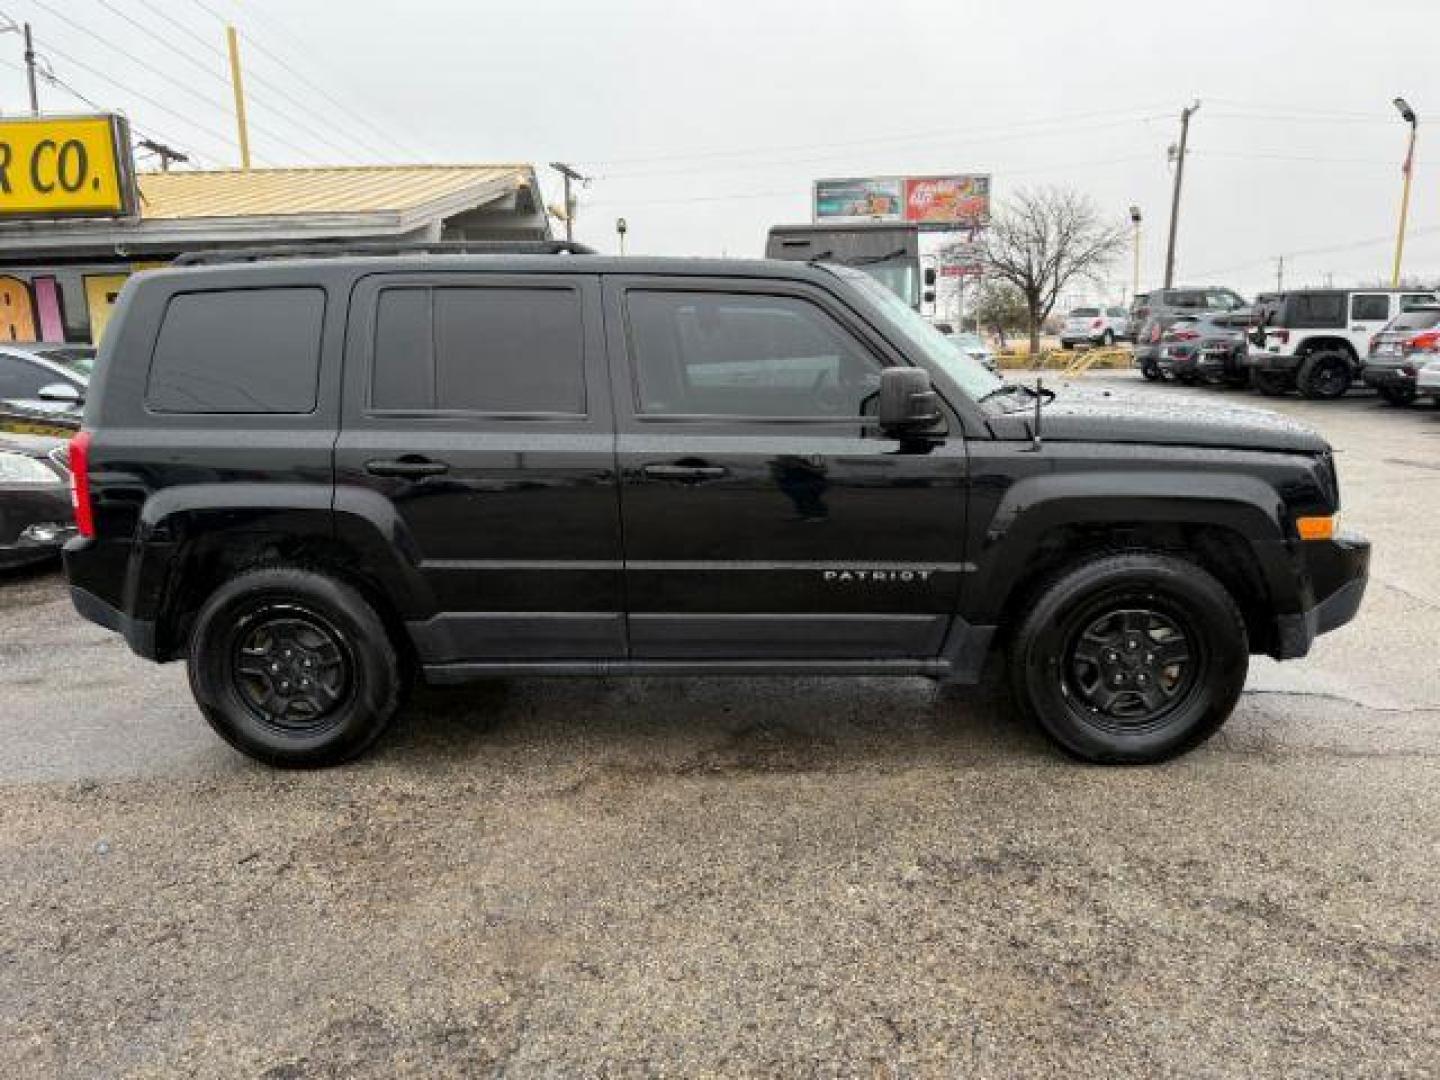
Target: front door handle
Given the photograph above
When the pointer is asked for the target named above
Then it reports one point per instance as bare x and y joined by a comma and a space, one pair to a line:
684, 472
410, 467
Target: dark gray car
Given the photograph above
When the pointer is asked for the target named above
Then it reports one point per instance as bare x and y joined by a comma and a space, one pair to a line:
1152, 314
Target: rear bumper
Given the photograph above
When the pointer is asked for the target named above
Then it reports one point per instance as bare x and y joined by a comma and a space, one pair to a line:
1268, 361
139, 634
1339, 570
1384, 375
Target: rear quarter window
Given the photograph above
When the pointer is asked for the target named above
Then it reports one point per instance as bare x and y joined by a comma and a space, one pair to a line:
238, 351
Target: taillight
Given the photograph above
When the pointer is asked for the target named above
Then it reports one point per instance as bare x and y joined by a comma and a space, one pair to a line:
1154, 333
1427, 342
1282, 336
1097, 324
1183, 335
80, 483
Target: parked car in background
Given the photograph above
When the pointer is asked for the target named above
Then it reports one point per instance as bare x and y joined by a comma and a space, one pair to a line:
1094, 326
972, 345
36, 517
45, 378
1427, 381
1312, 340
1152, 313
1398, 351
1206, 348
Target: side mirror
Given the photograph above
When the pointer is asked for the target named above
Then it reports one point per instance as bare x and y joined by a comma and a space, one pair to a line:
63, 392
907, 400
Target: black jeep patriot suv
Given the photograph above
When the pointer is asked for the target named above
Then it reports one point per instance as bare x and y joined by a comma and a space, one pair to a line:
317, 478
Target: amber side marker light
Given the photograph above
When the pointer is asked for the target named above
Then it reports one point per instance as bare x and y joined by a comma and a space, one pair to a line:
1318, 528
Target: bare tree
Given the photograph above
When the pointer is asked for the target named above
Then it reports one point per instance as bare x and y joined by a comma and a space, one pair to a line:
1044, 238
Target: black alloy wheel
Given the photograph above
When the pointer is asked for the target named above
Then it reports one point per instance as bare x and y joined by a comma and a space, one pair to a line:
291, 667
1130, 666
1324, 375
1129, 659
294, 667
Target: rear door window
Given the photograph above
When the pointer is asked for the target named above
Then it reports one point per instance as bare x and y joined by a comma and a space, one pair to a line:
1370, 307
238, 351
496, 350
1314, 311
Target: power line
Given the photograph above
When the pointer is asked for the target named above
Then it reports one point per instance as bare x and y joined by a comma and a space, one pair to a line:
197, 95
315, 87
1352, 245
1129, 116
251, 76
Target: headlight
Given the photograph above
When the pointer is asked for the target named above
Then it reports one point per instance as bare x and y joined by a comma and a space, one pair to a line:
23, 469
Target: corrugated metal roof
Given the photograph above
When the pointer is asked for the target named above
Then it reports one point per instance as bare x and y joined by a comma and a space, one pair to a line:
343, 190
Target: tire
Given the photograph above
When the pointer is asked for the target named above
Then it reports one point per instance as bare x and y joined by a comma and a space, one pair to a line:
1107, 339
1150, 372
1087, 627
1270, 383
1324, 375
1397, 395
313, 631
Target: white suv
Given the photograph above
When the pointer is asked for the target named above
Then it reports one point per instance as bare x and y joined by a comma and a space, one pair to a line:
1095, 326
1315, 340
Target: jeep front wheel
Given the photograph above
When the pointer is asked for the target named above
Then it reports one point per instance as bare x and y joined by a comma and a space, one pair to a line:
1130, 659
294, 668
1324, 375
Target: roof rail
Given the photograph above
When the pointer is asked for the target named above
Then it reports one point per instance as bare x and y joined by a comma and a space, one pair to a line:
419, 247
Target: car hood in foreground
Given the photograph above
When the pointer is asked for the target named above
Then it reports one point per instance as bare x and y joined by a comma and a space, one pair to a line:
1078, 415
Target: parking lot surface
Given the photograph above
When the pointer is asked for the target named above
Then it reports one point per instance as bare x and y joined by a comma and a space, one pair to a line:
740, 876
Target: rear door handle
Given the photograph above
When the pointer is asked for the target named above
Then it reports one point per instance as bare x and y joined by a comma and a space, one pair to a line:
411, 467
684, 472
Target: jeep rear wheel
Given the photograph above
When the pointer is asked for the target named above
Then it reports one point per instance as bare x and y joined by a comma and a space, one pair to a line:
1324, 375
1270, 383
1129, 659
294, 668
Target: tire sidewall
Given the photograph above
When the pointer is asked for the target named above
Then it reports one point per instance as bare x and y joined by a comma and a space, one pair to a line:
1210, 617
374, 675
1314, 365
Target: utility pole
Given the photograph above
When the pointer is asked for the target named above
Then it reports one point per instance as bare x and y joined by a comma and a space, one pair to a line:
30, 72
1280, 274
1185, 115
569, 174
232, 39
1408, 115
1135, 220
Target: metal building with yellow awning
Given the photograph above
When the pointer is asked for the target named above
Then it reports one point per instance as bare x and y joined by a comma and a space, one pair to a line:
58, 278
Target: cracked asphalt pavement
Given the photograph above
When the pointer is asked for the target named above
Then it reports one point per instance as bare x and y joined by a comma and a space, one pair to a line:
749, 876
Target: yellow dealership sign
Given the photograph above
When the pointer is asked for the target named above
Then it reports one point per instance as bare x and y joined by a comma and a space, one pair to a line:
66, 166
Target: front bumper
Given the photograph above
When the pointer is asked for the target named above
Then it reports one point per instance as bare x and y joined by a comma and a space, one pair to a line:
1338, 571
35, 522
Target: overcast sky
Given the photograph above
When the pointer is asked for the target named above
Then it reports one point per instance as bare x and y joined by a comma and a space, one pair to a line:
704, 123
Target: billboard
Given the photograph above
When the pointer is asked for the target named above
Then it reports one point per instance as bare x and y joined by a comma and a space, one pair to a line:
875, 198
931, 202
947, 202
66, 166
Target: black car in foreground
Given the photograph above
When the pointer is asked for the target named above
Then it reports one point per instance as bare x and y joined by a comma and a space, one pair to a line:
313, 479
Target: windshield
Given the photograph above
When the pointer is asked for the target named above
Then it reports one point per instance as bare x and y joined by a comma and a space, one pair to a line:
77, 361
901, 278
970, 375
1417, 319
